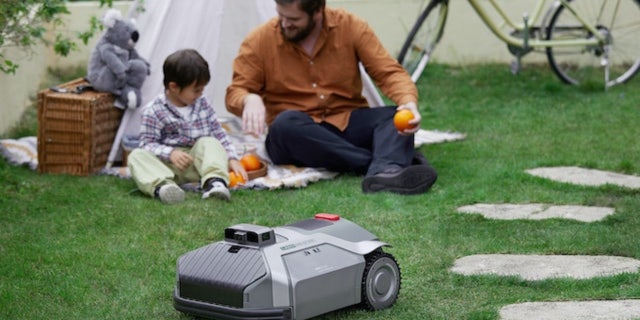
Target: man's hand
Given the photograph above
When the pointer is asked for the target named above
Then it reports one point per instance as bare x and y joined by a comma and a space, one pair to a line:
253, 115
415, 122
181, 159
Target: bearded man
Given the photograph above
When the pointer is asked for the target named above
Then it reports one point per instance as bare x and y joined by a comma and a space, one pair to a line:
297, 78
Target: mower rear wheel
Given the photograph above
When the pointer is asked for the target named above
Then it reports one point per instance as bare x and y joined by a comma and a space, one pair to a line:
380, 281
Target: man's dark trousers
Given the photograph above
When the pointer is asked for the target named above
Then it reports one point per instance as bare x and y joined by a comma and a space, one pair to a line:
368, 145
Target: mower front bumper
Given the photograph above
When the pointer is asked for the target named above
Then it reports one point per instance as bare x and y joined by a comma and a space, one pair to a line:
214, 311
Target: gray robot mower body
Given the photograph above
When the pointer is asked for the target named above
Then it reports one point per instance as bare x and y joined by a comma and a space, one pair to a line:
297, 271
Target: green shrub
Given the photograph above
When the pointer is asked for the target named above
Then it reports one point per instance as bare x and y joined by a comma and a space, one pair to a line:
24, 23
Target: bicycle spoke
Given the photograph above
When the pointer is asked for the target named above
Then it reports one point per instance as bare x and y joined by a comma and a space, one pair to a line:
612, 62
422, 39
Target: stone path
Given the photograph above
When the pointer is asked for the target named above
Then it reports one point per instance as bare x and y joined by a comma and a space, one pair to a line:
566, 310
586, 177
541, 267
537, 211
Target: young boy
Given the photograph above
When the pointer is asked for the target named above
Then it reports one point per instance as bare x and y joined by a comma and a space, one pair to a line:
181, 139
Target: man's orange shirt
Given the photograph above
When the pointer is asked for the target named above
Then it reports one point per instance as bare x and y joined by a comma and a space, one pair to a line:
326, 85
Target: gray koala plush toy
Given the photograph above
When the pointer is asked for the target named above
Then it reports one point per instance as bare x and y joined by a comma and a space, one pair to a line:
115, 66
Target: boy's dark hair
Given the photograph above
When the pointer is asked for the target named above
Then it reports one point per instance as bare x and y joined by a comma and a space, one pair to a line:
184, 67
308, 6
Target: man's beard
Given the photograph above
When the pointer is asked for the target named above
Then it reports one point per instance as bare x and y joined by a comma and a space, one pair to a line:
298, 35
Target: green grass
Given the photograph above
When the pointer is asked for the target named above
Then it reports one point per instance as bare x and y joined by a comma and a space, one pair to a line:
94, 248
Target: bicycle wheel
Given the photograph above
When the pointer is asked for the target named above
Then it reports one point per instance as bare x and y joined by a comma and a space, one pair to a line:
614, 62
425, 34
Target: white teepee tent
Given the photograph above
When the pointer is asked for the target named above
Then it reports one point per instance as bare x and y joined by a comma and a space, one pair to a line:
213, 27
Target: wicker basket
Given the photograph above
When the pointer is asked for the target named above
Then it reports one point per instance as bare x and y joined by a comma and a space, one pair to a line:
75, 130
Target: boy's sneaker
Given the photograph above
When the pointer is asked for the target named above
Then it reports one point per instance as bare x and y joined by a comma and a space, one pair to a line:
169, 193
216, 188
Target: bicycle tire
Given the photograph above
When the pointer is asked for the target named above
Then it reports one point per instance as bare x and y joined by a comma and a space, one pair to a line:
619, 20
423, 37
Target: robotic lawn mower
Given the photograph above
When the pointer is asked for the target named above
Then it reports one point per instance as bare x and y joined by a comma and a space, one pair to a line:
297, 271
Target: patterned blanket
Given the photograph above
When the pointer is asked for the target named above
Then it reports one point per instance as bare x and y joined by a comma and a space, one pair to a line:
24, 152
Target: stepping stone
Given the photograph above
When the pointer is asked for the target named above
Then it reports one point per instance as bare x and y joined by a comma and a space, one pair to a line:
570, 310
537, 211
435, 136
587, 177
541, 267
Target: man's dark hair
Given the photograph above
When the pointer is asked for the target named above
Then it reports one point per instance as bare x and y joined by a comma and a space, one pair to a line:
308, 6
184, 67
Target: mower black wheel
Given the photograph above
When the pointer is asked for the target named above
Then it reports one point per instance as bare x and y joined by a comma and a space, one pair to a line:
380, 281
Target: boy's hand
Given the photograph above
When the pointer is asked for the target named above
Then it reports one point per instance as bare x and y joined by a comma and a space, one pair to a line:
236, 166
181, 159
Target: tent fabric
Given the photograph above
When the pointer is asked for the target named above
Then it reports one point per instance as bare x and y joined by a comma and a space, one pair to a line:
214, 28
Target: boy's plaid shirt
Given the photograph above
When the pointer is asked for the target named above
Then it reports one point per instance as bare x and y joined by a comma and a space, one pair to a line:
164, 128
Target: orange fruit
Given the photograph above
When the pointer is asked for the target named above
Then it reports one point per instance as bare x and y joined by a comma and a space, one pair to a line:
401, 120
250, 162
235, 179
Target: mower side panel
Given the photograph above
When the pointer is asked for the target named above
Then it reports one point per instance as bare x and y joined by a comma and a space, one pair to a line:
323, 278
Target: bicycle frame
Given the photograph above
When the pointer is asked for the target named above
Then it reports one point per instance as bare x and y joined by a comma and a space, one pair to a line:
530, 22
577, 36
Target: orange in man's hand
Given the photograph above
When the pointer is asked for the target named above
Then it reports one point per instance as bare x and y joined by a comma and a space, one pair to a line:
250, 162
401, 120
235, 179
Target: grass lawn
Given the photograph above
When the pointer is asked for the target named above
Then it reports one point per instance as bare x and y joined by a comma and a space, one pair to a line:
95, 248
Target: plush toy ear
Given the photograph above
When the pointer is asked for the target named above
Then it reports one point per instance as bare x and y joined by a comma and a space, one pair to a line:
110, 18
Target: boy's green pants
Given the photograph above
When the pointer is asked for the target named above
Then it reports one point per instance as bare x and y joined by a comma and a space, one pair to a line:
209, 161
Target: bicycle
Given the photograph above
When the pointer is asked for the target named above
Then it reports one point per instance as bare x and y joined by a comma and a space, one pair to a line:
581, 38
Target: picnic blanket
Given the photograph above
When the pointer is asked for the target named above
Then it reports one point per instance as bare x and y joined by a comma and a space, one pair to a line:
23, 151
